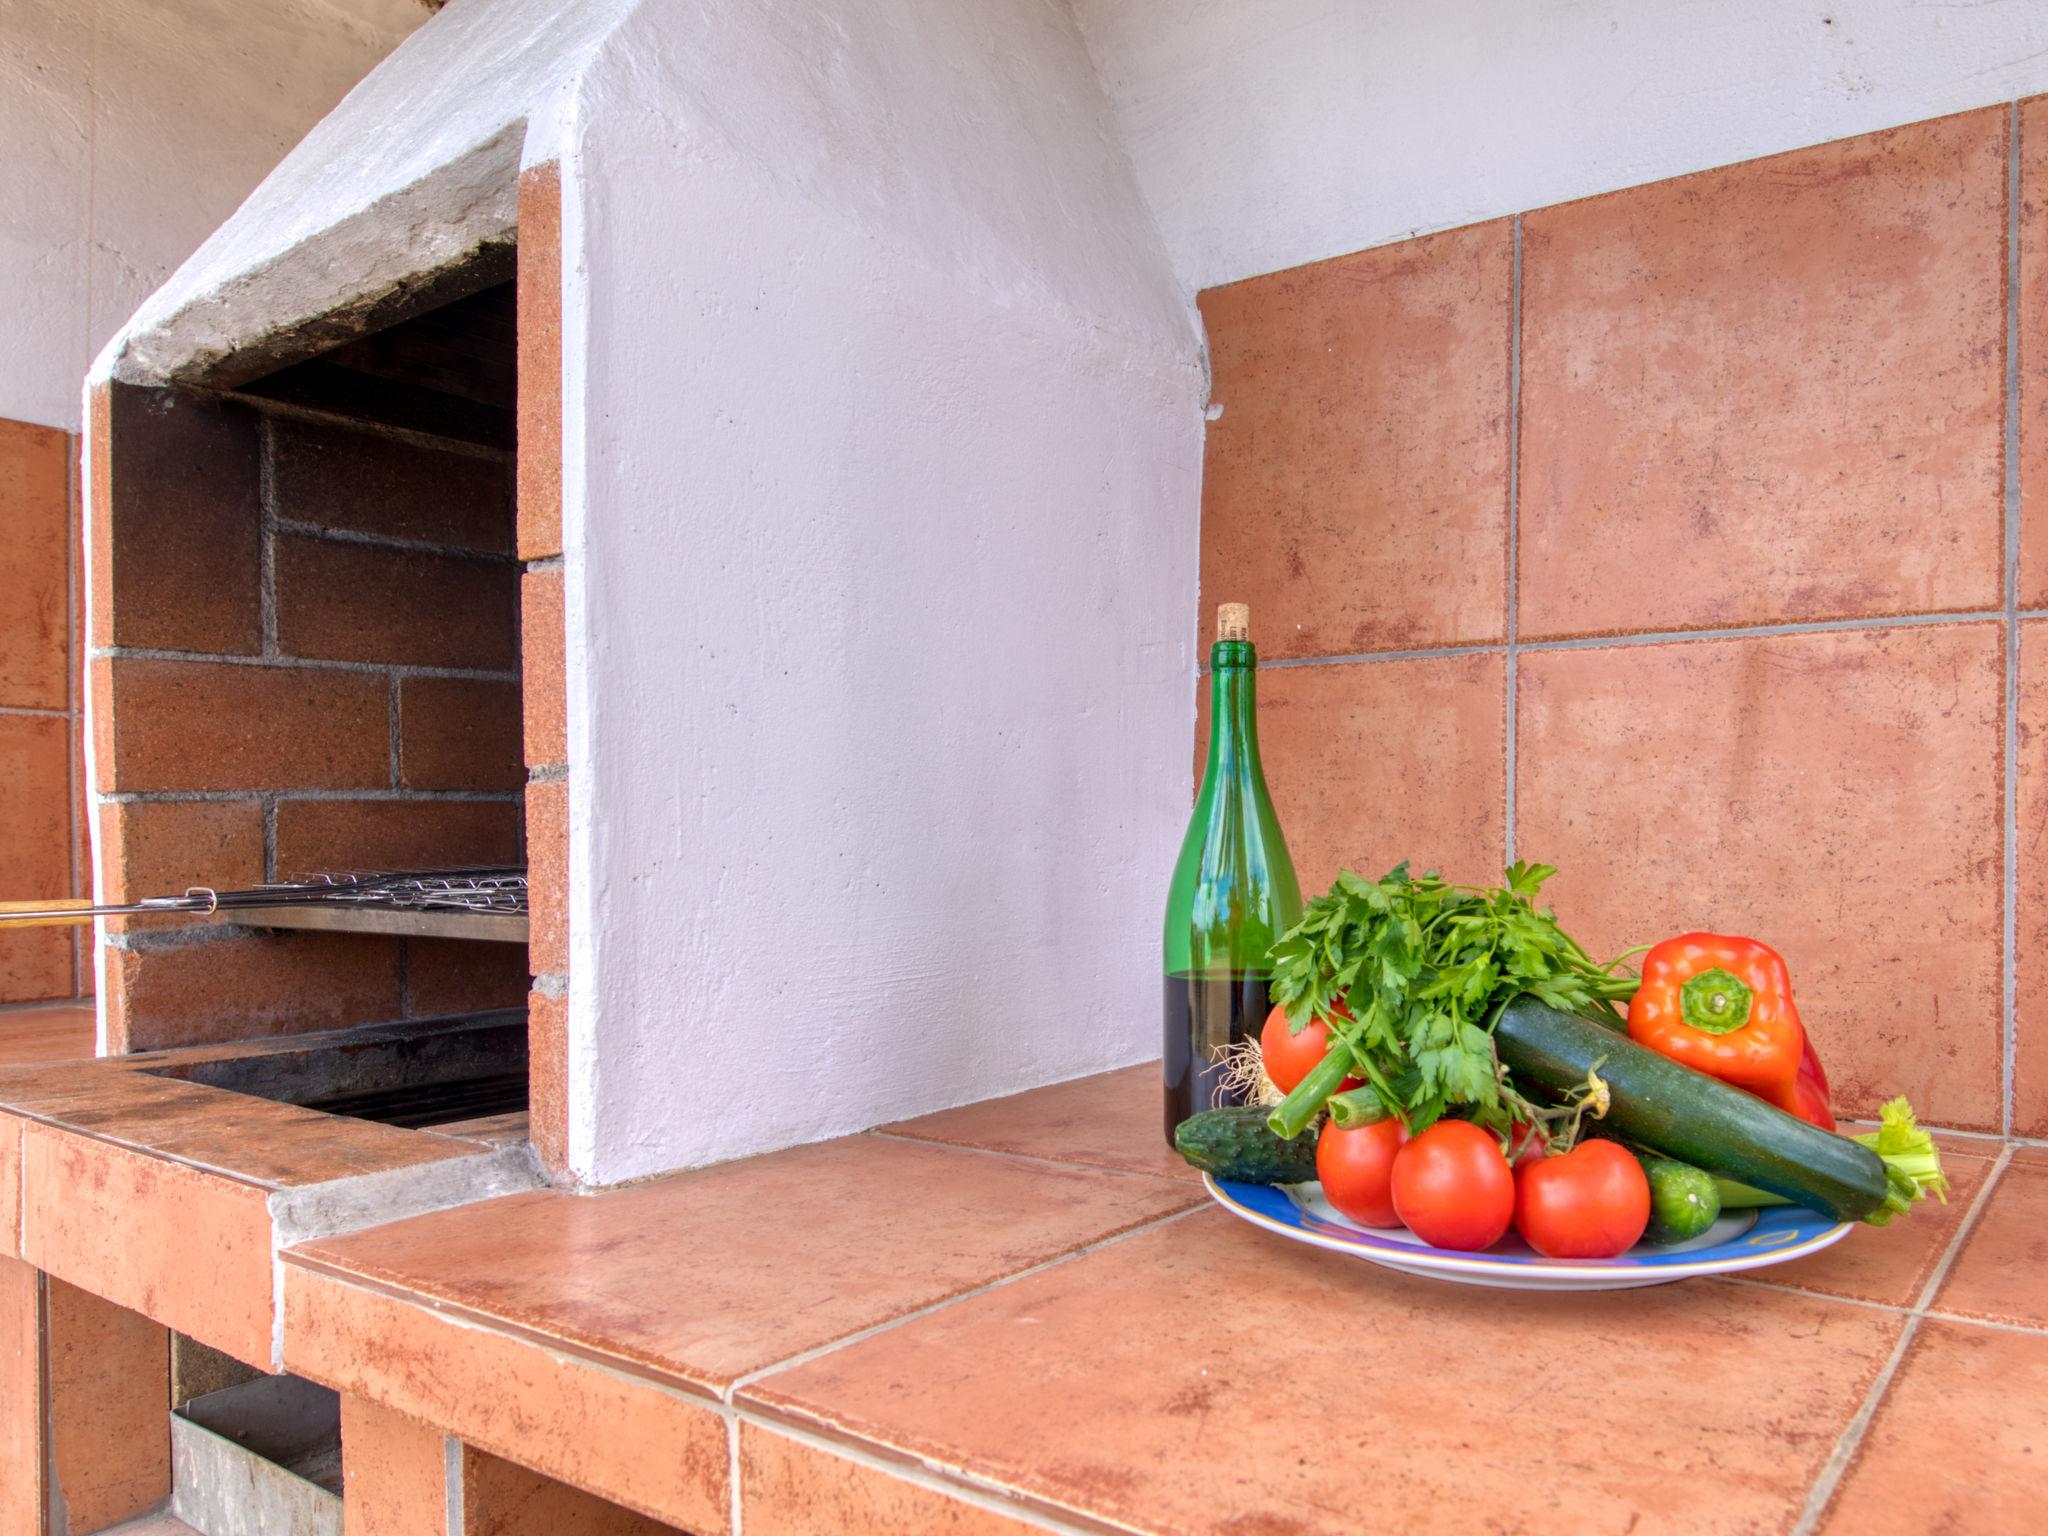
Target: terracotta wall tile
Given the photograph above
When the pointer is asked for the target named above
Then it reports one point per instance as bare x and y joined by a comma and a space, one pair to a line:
540, 362
361, 602
547, 1079
787, 1488
502, 1498
626, 1439
455, 733
35, 851
35, 585
315, 835
1836, 794
444, 976
543, 668
189, 1249
212, 725
109, 1395
21, 1398
2030, 1065
1956, 1444
177, 540
1771, 391
1354, 490
388, 487
241, 988
1370, 763
159, 848
2033, 358
547, 873
396, 1472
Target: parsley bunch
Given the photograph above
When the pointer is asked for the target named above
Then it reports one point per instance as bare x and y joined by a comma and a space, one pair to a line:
1409, 975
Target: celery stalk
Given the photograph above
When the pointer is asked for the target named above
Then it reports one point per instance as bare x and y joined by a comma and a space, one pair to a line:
1911, 1160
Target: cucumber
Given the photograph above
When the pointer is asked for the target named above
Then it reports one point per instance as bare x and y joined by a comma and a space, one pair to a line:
1683, 1199
1695, 1118
1235, 1143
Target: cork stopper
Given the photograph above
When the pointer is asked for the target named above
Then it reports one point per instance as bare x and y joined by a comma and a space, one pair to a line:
1234, 621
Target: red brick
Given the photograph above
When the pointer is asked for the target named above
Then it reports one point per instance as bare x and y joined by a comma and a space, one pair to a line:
35, 584
547, 1092
540, 362
364, 482
109, 1401
360, 602
455, 733
179, 528
544, 670
315, 836
397, 1472
502, 1498
444, 976
160, 848
215, 725
240, 988
547, 874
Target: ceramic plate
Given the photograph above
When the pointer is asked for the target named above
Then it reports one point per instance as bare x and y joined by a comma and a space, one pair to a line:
1739, 1240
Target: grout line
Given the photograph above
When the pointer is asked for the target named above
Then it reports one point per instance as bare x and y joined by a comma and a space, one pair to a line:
392, 696
38, 714
224, 796
1657, 637
731, 1394
319, 663
1514, 577
269, 805
2009, 898
305, 530
735, 1515
266, 541
1822, 1493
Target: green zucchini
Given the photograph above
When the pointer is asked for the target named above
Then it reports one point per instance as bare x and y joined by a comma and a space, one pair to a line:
1697, 1119
1683, 1199
1235, 1143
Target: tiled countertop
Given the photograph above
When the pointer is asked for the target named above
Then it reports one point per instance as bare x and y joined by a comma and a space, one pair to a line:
171, 1197
1024, 1315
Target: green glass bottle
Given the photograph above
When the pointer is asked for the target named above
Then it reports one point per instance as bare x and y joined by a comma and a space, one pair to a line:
1234, 890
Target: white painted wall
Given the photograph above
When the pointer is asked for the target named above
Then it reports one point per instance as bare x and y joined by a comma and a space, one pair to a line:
884, 431
1266, 133
128, 130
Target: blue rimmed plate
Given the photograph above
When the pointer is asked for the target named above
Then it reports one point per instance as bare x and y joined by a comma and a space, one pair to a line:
1738, 1241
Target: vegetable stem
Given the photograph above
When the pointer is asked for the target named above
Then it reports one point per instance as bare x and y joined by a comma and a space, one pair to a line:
1292, 1114
1357, 1106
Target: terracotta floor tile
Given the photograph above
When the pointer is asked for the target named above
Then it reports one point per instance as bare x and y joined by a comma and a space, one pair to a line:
788, 1488
187, 1249
1769, 391
1958, 1444
52, 1032
626, 1439
2030, 1063
1370, 763
1836, 795
1354, 488
1891, 1264
1110, 1384
2002, 1273
1109, 1120
886, 1226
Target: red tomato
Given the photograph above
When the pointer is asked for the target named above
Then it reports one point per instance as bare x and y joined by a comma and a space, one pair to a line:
1357, 1166
1591, 1203
1452, 1187
1290, 1058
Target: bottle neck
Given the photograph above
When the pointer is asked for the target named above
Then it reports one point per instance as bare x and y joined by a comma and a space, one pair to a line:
1233, 713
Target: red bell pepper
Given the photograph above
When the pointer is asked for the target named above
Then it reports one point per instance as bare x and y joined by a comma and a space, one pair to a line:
1723, 1006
